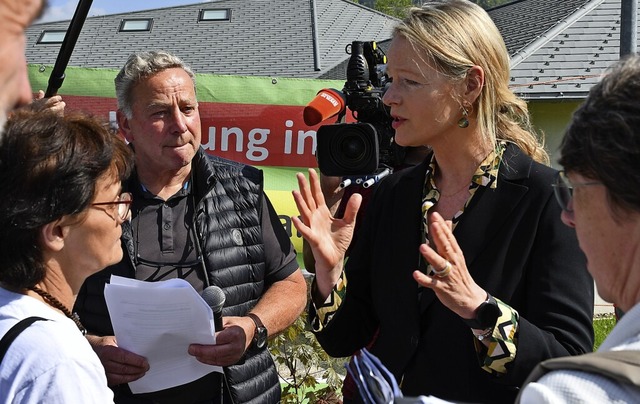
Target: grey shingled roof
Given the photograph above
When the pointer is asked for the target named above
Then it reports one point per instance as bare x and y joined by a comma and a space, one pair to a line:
263, 37
522, 22
558, 48
571, 56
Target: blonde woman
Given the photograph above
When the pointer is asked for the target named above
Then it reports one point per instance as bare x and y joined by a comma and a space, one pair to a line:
462, 263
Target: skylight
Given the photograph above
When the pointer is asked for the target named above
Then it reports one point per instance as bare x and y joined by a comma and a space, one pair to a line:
137, 25
51, 36
223, 14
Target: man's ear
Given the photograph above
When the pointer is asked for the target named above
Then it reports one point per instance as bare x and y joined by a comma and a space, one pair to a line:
474, 83
123, 125
53, 235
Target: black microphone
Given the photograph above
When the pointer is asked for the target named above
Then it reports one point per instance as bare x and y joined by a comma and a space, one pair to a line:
214, 297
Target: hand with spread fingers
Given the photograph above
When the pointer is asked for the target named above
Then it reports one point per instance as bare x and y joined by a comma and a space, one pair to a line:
450, 278
327, 236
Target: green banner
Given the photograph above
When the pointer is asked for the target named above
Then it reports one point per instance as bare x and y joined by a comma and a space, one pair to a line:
211, 88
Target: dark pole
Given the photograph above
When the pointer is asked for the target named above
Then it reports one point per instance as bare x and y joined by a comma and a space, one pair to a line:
628, 27
68, 43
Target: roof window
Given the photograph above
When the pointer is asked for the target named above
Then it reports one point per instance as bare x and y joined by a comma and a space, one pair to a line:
220, 14
136, 25
49, 36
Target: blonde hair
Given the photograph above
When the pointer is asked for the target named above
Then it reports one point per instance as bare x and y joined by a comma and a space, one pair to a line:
456, 35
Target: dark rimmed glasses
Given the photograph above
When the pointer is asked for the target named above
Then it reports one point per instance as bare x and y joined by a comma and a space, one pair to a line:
563, 189
123, 202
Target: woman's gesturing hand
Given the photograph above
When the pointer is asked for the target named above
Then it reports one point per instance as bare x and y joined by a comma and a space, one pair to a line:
327, 236
451, 281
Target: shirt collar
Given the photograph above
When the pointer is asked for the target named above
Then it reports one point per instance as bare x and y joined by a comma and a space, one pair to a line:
486, 174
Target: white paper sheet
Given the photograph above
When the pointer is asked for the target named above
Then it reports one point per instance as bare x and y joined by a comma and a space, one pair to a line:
159, 320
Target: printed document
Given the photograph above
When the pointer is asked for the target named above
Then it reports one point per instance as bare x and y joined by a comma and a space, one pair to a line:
159, 320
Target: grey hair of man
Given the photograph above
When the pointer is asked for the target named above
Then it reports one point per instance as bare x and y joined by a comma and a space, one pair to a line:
140, 66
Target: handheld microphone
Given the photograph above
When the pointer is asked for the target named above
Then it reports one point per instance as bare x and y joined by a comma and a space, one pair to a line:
327, 103
214, 297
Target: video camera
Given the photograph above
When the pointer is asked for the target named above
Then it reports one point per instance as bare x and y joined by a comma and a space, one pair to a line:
363, 150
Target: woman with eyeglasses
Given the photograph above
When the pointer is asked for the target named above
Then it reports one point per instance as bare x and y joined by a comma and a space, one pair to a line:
599, 192
61, 213
462, 265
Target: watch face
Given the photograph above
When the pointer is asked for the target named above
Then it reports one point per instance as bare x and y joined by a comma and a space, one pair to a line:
488, 314
261, 337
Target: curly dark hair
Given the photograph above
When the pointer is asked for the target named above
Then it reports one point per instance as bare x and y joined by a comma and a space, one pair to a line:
603, 139
49, 168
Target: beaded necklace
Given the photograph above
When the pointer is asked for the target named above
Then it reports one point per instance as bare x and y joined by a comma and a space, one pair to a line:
53, 302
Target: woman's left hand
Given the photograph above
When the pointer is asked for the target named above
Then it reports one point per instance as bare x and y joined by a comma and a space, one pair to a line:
451, 281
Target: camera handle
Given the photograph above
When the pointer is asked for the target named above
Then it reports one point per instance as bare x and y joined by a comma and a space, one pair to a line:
365, 180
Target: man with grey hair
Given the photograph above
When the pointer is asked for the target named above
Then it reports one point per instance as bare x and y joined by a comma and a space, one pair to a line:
15, 17
203, 219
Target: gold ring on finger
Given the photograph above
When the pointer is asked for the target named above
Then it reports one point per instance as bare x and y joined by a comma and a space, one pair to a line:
444, 271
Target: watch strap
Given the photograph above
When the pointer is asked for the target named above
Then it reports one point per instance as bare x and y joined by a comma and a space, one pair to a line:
256, 320
260, 328
260, 335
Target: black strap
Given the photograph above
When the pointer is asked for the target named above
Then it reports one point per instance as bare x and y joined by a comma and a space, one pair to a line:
14, 332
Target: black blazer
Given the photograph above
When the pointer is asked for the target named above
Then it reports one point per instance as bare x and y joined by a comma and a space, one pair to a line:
516, 248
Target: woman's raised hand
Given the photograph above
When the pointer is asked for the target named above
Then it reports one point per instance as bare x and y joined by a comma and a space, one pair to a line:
327, 236
451, 281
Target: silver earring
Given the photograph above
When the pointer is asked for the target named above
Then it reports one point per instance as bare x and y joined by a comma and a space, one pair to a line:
464, 121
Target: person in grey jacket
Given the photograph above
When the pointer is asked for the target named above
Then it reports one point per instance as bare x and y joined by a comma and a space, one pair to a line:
599, 192
203, 219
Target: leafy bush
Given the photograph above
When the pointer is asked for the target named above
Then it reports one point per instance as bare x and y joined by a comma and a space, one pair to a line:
309, 374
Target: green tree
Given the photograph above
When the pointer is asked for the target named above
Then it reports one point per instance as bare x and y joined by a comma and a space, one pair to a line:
395, 8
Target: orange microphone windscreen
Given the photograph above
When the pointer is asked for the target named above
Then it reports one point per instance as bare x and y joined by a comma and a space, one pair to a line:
327, 103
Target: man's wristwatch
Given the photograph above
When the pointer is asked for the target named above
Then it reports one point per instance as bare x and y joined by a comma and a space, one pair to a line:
260, 336
486, 315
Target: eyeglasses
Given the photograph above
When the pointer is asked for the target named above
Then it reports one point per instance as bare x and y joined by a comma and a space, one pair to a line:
563, 189
123, 202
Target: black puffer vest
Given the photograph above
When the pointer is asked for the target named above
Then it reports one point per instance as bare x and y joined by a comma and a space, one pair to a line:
228, 208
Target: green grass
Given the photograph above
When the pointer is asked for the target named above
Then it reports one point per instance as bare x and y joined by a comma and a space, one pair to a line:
602, 326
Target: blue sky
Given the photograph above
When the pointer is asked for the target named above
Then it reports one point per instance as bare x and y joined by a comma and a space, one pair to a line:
64, 9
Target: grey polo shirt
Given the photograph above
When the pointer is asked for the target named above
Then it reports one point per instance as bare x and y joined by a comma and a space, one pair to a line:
164, 239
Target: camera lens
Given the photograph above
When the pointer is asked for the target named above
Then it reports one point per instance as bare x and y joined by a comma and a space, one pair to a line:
347, 149
353, 147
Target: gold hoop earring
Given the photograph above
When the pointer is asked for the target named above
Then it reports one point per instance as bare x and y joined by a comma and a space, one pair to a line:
464, 121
